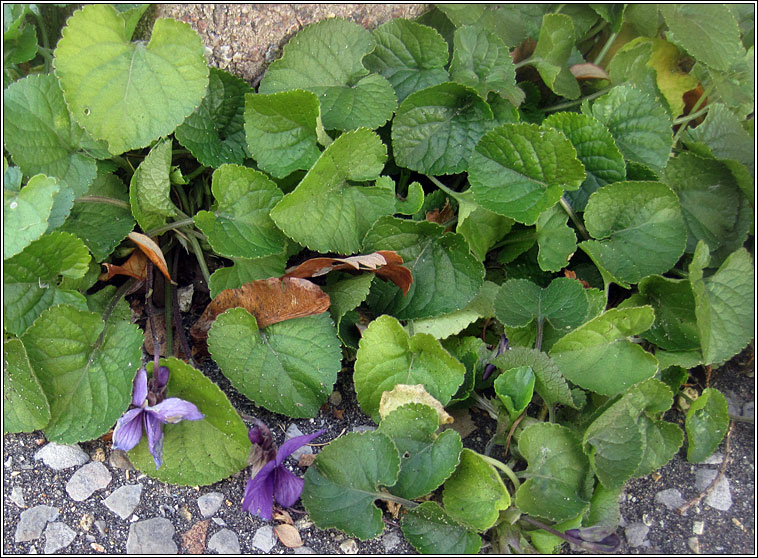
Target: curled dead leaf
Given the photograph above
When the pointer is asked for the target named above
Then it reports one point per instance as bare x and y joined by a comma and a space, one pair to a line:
441, 216
283, 516
269, 300
288, 535
307, 459
135, 266
152, 251
387, 264
588, 71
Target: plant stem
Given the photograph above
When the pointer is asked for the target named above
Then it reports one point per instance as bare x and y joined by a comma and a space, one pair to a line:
200, 258
540, 331
569, 104
696, 112
123, 163
170, 226
485, 405
150, 315
691, 116
524, 62
198, 171
605, 48
504, 468
441, 186
574, 218
398, 500
167, 313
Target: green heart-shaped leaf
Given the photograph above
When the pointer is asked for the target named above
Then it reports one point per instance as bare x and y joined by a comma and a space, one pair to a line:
25, 407
129, 94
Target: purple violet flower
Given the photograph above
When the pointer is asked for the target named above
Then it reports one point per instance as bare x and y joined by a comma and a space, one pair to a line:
152, 410
274, 480
501, 348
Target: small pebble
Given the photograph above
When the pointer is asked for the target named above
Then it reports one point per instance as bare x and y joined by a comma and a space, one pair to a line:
335, 398
224, 542
671, 498
58, 456
209, 503
349, 547
636, 533
124, 500
97, 547
88, 479
17, 497
120, 460
151, 536
99, 455
57, 536
264, 538
292, 432
694, 544
185, 514
86, 521
218, 521
33, 521
303, 550
720, 497
698, 527
390, 541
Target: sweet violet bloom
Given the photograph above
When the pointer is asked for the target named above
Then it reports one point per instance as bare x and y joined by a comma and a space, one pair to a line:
151, 408
273, 480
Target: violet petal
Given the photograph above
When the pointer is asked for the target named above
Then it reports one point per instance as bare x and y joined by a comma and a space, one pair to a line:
173, 410
128, 431
287, 486
259, 493
161, 377
139, 391
154, 430
292, 445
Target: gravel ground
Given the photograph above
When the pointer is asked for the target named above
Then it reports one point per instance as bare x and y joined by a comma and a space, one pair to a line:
722, 523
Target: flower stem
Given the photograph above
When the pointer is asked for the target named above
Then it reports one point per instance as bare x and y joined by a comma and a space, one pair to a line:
569, 104
103, 199
398, 500
441, 186
198, 171
574, 218
170, 226
524, 62
605, 48
504, 468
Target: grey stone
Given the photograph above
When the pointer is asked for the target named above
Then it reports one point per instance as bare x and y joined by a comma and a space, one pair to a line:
87, 479
720, 497
293, 432
17, 497
57, 456
264, 538
218, 521
32, 521
349, 547
123, 500
636, 533
671, 498
694, 544
363, 428
209, 503
335, 398
303, 550
748, 409
715, 459
101, 525
390, 541
151, 536
224, 542
58, 535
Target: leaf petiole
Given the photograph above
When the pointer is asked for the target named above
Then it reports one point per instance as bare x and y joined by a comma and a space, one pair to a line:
504, 468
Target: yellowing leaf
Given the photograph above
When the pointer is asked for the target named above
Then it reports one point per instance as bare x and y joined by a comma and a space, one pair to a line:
672, 81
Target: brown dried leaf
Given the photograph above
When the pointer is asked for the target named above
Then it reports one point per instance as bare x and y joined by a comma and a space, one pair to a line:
572, 275
387, 264
441, 216
135, 266
160, 326
307, 459
152, 251
588, 71
283, 516
269, 300
289, 535
193, 541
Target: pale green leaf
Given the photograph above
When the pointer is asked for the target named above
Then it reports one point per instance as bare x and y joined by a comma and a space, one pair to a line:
432, 531
481, 227
25, 407
41, 136
246, 270
706, 423
557, 241
129, 94
388, 356
26, 213
551, 55
474, 495
238, 225
557, 470
598, 356
150, 188
327, 212
30, 282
